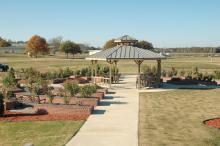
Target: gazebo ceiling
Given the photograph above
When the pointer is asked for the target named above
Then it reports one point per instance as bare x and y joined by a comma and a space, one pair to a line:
121, 52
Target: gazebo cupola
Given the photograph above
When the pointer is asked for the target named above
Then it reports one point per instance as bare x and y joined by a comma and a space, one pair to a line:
126, 40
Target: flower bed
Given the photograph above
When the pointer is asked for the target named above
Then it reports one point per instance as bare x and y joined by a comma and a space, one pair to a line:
180, 81
64, 109
47, 112
213, 123
93, 102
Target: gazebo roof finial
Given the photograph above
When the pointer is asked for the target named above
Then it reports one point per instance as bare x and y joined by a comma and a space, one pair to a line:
126, 39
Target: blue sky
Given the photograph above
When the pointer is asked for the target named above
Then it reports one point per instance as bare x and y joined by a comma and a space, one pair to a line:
165, 23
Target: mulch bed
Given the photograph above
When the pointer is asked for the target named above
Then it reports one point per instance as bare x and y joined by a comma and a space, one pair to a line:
213, 123
22, 117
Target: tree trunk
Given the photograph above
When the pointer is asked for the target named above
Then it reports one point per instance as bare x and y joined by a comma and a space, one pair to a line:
67, 55
38, 98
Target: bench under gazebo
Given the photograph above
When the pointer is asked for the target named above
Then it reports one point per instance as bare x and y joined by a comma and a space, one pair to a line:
125, 50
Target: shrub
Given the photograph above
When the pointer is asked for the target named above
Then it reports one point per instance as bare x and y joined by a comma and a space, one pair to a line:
1, 104
207, 77
61, 73
169, 73
174, 71
11, 72
49, 94
87, 90
84, 71
67, 72
93, 88
71, 88
77, 72
149, 70
164, 73
182, 73
189, 75
66, 99
217, 74
103, 70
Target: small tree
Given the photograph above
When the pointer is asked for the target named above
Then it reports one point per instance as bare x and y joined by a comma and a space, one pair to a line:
109, 44
70, 47
55, 43
1, 104
63, 93
49, 94
145, 45
36, 87
37, 44
9, 83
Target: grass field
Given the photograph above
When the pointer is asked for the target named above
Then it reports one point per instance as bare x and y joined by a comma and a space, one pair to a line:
43, 133
53, 63
175, 118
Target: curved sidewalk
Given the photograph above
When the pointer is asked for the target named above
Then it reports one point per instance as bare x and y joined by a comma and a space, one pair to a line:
115, 121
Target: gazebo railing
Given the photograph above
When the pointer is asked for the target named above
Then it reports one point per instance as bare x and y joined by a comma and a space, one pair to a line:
102, 81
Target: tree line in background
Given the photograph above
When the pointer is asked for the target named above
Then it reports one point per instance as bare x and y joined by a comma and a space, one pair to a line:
191, 50
38, 45
4, 43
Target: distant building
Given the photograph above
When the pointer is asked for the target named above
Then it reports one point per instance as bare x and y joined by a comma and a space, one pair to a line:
91, 52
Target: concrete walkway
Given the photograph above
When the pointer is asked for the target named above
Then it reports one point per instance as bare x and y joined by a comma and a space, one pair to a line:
115, 121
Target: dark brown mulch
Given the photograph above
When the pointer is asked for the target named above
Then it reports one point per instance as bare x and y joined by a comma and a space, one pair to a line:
21, 117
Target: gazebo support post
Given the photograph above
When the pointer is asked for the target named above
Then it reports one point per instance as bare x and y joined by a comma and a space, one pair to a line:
110, 72
158, 72
92, 61
115, 65
96, 67
139, 62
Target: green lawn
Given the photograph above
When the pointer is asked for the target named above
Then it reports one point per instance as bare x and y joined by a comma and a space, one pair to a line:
53, 63
175, 118
42, 133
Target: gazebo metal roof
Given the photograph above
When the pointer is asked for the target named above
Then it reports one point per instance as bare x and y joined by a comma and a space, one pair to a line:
126, 52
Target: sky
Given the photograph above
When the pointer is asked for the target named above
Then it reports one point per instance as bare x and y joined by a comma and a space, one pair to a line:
164, 23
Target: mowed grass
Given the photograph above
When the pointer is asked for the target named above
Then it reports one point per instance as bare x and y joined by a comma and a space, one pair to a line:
48, 63
41, 133
175, 118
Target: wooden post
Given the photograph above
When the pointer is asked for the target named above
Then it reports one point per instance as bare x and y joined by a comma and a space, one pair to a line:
92, 61
139, 62
110, 71
95, 67
158, 72
115, 78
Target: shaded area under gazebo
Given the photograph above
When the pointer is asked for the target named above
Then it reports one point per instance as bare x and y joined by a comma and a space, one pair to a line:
125, 50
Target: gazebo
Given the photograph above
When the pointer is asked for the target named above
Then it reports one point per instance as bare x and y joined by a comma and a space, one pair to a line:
125, 50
